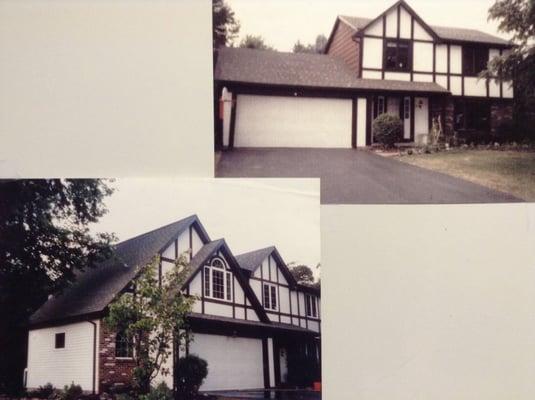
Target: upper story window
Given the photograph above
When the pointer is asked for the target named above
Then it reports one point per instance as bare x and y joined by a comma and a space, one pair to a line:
475, 59
310, 306
124, 346
217, 280
270, 296
397, 55
60, 340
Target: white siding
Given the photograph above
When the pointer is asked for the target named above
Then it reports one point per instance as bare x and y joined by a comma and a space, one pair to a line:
361, 122
233, 362
256, 286
373, 53
398, 76
239, 312
222, 310
475, 87
376, 29
61, 367
313, 325
420, 33
371, 75
277, 121
238, 292
442, 80
423, 77
405, 23
442, 58
392, 23
284, 300
196, 242
456, 85
455, 59
423, 57
195, 286
507, 90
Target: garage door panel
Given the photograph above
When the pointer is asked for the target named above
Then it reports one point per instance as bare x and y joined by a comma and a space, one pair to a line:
277, 121
233, 362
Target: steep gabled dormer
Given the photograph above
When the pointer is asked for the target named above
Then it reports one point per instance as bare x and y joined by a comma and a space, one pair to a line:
282, 298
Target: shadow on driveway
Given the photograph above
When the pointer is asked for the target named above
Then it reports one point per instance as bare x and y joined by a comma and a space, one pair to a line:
350, 176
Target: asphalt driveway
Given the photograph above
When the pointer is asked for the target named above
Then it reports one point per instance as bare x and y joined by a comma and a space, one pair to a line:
351, 176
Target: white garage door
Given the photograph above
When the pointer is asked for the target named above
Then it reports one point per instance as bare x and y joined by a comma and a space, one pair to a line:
276, 121
233, 363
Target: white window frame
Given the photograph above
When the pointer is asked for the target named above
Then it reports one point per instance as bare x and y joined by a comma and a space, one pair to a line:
133, 344
270, 295
227, 277
309, 307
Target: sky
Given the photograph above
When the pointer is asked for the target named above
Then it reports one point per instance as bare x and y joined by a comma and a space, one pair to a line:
282, 22
248, 213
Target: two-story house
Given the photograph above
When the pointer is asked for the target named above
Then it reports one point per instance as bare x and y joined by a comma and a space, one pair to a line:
394, 63
252, 322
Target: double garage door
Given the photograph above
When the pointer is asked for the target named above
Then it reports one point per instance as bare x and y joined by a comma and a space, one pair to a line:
283, 121
233, 362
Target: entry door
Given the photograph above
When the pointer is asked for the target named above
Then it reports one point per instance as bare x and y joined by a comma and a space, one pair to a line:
421, 119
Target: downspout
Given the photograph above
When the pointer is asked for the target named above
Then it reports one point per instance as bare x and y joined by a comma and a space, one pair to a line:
94, 354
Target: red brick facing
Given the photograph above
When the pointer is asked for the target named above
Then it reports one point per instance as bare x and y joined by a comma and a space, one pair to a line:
112, 372
343, 46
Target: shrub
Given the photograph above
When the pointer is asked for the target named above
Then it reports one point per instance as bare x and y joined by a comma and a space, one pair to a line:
387, 129
160, 392
43, 392
190, 373
72, 392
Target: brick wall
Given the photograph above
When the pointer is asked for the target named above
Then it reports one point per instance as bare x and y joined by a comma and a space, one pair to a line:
343, 46
112, 372
499, 113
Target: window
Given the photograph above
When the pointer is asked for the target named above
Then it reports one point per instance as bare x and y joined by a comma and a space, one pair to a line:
124, 346
60, 340
270, 296
397, 55
379, 106
471, 115
310, 306
217, 280
474, 59
406, 108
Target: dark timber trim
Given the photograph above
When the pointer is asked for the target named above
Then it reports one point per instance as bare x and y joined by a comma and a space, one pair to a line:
265, 361
354, 113
234, 106
448, 66
369, 116
412, 117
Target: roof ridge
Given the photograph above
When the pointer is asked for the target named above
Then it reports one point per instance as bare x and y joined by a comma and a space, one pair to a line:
193, 216
257, 250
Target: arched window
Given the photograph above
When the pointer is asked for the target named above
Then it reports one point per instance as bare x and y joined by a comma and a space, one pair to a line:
124, 345
217, 280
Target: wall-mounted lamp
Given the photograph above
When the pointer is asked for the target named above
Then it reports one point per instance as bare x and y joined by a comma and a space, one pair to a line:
420, 103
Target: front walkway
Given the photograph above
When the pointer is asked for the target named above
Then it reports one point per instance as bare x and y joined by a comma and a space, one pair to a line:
279, 394
351, 176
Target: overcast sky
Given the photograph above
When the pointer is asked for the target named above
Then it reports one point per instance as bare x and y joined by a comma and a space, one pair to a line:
283, 22
248, 214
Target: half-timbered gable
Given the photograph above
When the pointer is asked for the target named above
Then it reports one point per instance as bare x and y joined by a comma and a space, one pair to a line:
283, 300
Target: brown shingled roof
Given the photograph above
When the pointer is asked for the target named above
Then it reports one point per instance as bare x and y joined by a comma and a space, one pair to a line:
267, 67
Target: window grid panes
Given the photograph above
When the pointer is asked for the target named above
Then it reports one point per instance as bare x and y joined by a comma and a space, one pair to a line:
218, 288
397, 55
124, 347
217, 280
270, 297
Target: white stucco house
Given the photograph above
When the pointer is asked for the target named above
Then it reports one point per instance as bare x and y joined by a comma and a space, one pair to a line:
251, 320
391, 63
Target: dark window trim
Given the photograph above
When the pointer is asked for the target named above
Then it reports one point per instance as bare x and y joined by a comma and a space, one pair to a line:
59, 340
408, 42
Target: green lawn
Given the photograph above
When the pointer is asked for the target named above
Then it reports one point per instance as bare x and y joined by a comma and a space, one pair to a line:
508, 171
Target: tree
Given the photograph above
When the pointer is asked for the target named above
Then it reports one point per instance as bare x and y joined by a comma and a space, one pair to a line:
44, 241
255, 42
318, 47
153, 317
302, 274
225, 25
517, 17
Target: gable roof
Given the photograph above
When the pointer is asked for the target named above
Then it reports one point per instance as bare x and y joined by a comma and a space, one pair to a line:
252, 260
443, 33
303, 70
96, 288
207, 251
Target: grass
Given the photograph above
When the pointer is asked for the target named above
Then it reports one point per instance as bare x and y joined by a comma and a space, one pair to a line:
507, 171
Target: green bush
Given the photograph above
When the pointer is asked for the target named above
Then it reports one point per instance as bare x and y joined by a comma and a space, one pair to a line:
43, 392
190, 373
72, 392
387, 129
160, 392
